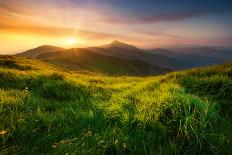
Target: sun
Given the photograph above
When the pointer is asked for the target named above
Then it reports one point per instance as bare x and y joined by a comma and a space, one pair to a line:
70, 41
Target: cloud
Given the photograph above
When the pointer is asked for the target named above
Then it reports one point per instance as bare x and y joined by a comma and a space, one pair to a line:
54, 32
150, 18
46, 31
171, 39
9, 7
155, 11
114, 12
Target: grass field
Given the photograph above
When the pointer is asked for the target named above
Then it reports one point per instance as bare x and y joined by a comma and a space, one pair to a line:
46, 109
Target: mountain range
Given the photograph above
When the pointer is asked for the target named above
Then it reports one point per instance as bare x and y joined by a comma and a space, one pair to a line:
85, 60
196, 57
121, 58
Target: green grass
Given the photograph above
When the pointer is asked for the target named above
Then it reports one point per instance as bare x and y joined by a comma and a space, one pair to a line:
49, 110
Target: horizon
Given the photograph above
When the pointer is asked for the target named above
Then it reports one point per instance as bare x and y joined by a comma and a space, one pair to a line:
100, 46
146, 24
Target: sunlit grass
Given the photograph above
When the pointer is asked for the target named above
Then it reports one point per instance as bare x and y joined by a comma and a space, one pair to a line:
45, 109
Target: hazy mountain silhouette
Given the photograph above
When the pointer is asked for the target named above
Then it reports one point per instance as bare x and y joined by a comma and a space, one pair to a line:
130, 52
194, 57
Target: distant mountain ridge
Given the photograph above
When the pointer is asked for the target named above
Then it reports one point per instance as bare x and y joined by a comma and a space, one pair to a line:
82, 59
171, 58
196, 57
130, 52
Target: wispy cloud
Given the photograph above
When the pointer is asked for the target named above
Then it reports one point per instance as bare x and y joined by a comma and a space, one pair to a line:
180, 40
102, 13
58, 32
150, 18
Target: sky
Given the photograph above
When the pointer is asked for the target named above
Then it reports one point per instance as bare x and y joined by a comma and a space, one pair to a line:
26, 24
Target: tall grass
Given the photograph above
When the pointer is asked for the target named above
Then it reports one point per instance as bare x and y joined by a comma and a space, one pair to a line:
45, 109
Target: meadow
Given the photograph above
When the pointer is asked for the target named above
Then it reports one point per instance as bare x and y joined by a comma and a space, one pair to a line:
46, 109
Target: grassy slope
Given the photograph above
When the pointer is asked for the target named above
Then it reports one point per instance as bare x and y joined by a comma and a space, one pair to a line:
67, 112
83, 59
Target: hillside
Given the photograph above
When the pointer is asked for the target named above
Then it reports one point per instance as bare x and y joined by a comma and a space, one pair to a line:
49, 110
82, 59
129, 54
173, 58
33, 53
116, 50
85, 60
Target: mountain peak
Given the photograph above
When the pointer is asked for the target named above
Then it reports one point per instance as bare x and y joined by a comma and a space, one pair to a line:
117, 42
47, 47
120, 44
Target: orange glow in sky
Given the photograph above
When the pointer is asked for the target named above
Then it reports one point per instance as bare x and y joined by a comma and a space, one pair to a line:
71, 41
27, 24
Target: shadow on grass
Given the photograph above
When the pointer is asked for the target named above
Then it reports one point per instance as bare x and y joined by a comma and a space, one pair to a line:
12, 64
216, 87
